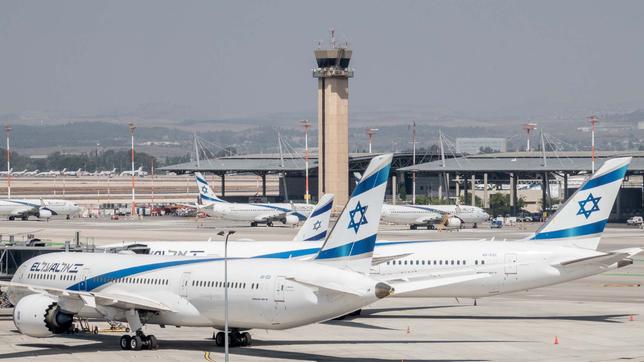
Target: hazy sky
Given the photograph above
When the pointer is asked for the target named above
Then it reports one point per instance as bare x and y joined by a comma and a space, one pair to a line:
248, 58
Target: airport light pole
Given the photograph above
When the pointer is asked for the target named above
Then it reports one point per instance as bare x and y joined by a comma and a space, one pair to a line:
132, 127
7, 130
221, 233
593, 122
413, 162
306, 124
370, 133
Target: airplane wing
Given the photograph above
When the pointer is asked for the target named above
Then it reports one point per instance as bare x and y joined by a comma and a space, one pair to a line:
272, 216
92, 299
24, 210
605, 260
429, 218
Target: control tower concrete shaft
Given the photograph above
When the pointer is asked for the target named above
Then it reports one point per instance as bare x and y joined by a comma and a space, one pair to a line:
333, 75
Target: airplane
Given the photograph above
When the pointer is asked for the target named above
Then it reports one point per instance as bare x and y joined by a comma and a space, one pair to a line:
315, 228
561, 250
72, 173
49, 290
255, 213
138, 172
451, 216
6, 173
107, 173
19, 173
31, 173
42, 208
51, 173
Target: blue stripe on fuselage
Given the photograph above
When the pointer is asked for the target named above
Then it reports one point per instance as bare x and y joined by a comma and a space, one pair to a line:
94, 282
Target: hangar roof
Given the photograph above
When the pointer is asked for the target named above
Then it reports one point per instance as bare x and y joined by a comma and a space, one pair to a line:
577, 161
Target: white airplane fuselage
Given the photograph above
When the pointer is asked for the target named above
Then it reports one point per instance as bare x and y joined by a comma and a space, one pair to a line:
424, 214
263, 293
20, 207
514, 265
257, 212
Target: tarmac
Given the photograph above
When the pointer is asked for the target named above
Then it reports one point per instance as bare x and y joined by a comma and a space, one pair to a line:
600, 318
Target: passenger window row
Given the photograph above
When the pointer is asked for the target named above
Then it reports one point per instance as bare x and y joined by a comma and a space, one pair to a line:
433, 262
220, 284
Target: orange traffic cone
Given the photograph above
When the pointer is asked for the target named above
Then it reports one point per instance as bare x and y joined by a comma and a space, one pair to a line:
556, 340
631, 318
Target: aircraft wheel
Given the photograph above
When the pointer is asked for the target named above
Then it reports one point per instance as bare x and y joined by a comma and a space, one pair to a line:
269, 224
220, 339
11, 218
246, 339
125, 342
253, 224
136, 343
413, 227
153, 343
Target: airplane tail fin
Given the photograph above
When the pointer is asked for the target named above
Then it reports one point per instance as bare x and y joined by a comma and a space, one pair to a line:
316, 225
351, 241
206, 194
580, 221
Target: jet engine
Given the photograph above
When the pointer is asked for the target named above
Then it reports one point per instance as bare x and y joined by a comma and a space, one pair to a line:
290, 220
453, 222
44, 213
38, 315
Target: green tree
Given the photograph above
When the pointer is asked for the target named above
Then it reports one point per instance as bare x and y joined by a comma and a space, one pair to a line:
500, 204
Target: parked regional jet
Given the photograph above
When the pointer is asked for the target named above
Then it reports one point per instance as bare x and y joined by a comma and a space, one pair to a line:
255, 213
31, 173
49, 290
51, 173
72, 173
563, 249
107, 173
453, 216
138, 172
5, 173
43, 208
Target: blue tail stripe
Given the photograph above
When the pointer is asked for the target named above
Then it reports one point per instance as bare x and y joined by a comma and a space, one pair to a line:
359, 247
588, 229
288, 254
322, 209
208, 198
606, 178
201, 180
372, 181
319, 236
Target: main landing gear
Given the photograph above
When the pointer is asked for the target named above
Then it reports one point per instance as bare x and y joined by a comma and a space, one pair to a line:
235, 339
139, 341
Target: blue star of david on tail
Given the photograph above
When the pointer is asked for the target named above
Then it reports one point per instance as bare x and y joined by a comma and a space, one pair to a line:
353, 224
204, 189
582, 206
317, 225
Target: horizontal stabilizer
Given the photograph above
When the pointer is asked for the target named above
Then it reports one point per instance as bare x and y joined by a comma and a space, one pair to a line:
412, 286
604, 260
336, 287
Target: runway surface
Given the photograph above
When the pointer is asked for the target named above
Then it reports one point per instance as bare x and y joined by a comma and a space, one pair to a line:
594, 319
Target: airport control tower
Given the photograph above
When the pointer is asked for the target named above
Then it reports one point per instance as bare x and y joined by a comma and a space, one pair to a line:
333, 75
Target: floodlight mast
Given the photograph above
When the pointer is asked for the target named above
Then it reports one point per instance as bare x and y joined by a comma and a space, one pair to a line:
7, 130
307, 125
593, 121
132, 127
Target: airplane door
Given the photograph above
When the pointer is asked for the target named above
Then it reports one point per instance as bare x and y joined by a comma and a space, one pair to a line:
511, 265
183, 286
82, 285
279, 289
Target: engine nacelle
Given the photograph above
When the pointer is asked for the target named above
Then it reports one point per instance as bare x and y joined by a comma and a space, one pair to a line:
291, 220
38, 315
44, 214
453, 222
